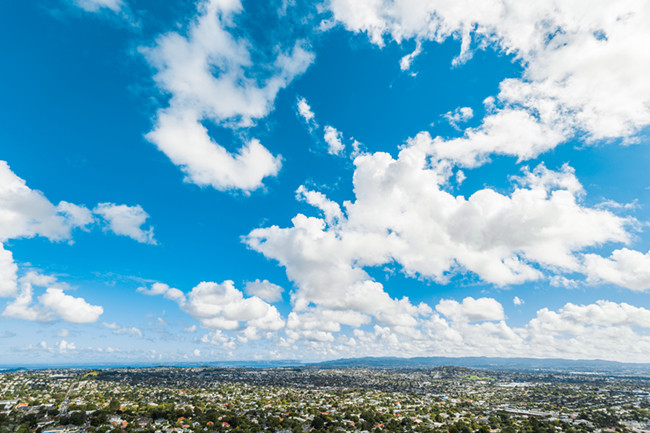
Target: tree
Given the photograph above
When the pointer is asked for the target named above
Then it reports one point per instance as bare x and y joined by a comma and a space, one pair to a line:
114, 405
318, 422
77, 418
99, 418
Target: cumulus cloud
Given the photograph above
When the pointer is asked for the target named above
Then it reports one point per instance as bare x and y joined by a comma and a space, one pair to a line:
591, 331
333, 140
517, 300
572, 317
471, 310
126, 220
401, 214
211, 77
8, 273
164, 290
625, 268
219, 338
222, 306
602, 330
69, 308
53, 303
562, 281
509, 132
264, 290
187, 143
331, 210
21, 306
65, 346
305, 111
25, 213
320, 324
573, 53
324, 267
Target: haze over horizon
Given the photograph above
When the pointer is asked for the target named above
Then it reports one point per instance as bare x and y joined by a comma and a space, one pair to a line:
203, 180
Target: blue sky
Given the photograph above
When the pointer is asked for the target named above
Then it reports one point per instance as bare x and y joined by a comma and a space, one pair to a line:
214, 180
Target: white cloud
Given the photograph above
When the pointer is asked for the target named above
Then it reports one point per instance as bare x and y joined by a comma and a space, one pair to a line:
65, 346
517, 300
331, 210
8, 273
25, 213
459, 115
322, 264
126, 220
305, 111
405, 62
333, 140
187, 143
78, 216
625, 268
51, 304
70, 308
98, 5
471, 310
460, 176
584, 65
21, 306
603, 313
318, 324
603, 330
401, 214
562, 281
164, 290
508, 132
234, 96
222, 306
218, 338
119, 330
264, 289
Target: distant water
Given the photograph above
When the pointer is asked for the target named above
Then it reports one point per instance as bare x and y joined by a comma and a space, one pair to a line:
93, 366
485, 363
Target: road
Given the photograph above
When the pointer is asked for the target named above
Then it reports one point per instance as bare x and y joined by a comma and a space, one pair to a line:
63, 409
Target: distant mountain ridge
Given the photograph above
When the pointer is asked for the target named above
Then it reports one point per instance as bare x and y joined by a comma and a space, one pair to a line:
481, 362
